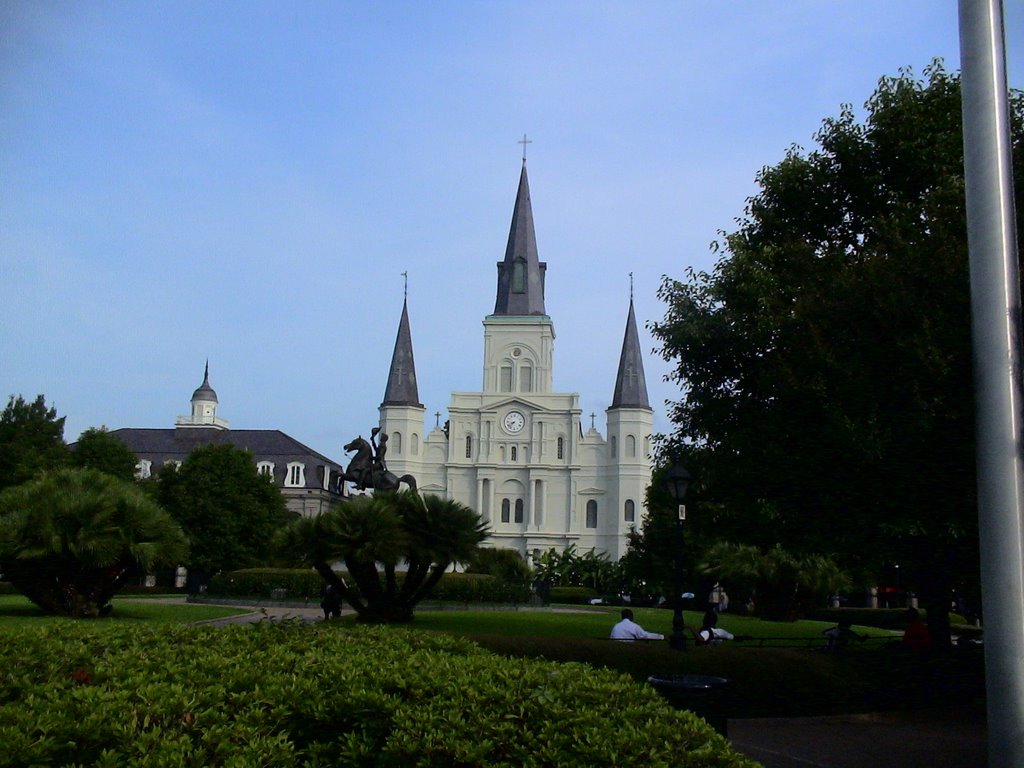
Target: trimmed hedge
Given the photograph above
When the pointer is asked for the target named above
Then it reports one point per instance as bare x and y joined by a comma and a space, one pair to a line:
318, 695
574, 595
305, 584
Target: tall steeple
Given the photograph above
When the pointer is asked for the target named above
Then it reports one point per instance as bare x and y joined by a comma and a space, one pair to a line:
402, 389
630, 384
521, 275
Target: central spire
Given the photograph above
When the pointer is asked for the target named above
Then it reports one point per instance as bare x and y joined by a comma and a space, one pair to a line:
521, 274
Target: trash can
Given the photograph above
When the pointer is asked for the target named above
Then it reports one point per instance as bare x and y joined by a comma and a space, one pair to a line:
704, 695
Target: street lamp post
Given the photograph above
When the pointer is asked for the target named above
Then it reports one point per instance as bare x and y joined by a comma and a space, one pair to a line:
675, 482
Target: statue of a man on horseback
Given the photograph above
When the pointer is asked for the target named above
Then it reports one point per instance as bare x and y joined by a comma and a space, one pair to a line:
368, 468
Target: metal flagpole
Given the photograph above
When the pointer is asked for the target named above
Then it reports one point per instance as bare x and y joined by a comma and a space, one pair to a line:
995, 310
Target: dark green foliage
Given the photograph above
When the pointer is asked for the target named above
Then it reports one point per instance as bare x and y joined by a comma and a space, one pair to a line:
72, 537
306, 584
569, 568
826, 360
372, 535
575, 595
98, 449
229, 511
780, 585
289, 695
504, 564
31, 439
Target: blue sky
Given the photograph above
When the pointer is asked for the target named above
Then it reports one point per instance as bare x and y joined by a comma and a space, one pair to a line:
246, 182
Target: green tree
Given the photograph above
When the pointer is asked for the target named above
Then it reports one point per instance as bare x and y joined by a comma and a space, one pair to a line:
70, 538
99, 449
373, 536
504, 564
825, 361
31, 439
780, 584
228, 510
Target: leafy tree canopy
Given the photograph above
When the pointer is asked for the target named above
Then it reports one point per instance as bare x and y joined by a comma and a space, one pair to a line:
373, 535
99, 449
227, 509
825, 361
70, 538
31, 439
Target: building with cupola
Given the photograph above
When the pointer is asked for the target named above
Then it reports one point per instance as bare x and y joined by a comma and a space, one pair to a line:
309, 481
516, 451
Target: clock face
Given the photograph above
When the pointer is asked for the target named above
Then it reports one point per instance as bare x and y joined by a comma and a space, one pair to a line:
514, 421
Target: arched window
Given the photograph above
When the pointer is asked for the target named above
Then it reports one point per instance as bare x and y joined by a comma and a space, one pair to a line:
519, 276
561, 448
615, 446
630, 512
469, 446
415, 444
505, 384
630, 446
519, 510
591, 514
526, 378
515, 453
396, 442
505, 507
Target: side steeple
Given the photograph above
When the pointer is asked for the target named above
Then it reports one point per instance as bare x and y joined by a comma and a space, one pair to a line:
401, 388
630, 384
521, 274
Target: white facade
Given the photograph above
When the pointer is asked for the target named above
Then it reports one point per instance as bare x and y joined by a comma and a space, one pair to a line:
517, 452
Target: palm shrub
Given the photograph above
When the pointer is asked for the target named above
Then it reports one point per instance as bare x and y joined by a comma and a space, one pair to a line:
506, 565
373, 536
72, 537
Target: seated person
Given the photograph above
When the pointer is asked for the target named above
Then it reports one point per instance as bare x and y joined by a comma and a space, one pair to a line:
628, 630
841, 635
916, 637
710, 633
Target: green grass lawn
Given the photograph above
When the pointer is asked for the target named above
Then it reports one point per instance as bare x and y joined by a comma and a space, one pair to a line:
17, 611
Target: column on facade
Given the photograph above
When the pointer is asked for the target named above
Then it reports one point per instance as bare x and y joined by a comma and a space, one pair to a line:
484, 508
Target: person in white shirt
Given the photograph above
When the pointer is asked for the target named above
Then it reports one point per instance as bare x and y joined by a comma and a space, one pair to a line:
627, 629
710, 633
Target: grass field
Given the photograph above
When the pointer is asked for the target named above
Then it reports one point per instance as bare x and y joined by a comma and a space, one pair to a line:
16, 610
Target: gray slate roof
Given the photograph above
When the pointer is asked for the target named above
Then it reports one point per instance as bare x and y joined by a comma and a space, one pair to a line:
162, 445
525, 295
631, 384
401, 388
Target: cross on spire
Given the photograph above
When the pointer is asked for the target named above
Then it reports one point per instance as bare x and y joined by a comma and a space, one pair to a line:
592, 415
631, 287
524, 141
405, 290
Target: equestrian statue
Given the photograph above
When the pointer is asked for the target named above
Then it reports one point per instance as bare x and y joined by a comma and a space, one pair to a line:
368, 468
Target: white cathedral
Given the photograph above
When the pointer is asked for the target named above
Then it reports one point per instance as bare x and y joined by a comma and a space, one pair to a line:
517, 452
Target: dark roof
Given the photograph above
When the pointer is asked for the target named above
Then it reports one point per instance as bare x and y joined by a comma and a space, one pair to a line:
162, 445
205, 391
630, 384
401, 388
521, 289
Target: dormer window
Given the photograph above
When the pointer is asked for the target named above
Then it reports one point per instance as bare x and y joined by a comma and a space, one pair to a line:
296, 476
265, 468
143, 469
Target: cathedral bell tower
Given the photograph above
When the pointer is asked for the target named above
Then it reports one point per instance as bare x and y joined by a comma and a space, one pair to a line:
519, 336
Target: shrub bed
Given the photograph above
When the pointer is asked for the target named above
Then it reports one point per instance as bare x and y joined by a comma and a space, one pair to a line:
305, 584
573, 595
292, 694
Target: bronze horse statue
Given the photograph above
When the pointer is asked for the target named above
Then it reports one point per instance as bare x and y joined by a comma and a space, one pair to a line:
367, 468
